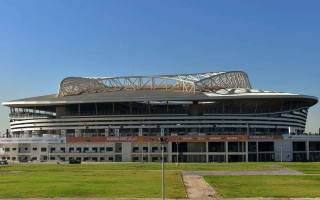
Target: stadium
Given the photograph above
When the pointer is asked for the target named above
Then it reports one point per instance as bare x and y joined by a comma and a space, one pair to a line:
204, 117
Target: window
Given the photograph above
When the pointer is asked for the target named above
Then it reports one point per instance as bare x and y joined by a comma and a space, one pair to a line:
314, 146
216, 146
85, 159
109, 149
26, 148
165, 149
34, 148
43, 149
154, 149
135, 149
236, 147
252, 146
95, 159
14, 149
265, 146
7, 149
299, 146
134, 159
101, 149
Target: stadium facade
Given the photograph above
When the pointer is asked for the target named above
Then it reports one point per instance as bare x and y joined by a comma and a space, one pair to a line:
205, 117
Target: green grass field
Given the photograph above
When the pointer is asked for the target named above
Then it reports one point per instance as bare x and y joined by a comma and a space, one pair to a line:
102, 179
271, 186
265, 186
305, 167
89, 184
143, 180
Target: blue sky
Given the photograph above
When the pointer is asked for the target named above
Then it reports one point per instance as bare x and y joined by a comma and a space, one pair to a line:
41, 42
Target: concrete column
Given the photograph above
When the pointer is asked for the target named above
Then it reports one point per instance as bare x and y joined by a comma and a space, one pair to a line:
207, 151
126, 151
117, 132
169, 152
106, 132
113, 145
162, 132
247, 151
140, 131
226, 146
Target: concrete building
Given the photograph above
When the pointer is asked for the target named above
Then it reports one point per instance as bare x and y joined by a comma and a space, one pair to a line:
206, 117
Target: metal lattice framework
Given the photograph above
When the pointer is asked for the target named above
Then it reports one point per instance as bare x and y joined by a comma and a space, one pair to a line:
201, 82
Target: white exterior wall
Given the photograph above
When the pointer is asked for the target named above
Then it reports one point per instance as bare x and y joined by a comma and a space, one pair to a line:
126, 152
283, 148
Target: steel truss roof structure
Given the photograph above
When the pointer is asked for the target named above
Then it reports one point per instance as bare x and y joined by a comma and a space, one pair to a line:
198, 82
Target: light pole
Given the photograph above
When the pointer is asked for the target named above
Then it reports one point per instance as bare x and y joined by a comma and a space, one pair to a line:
163, 141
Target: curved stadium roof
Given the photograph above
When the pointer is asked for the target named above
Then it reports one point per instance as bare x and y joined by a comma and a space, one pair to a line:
199, 82
182, 87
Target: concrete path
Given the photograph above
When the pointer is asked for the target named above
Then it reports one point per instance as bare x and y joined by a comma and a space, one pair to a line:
197, 188
271, 198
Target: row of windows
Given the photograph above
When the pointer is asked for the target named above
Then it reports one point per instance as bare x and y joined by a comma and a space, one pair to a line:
224, 106
82, 149
146, 149
302, 146
25, 149
63, 149
85, 159
145, 158
166, 131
